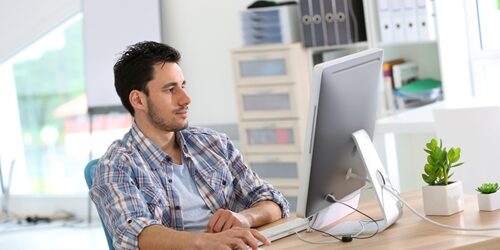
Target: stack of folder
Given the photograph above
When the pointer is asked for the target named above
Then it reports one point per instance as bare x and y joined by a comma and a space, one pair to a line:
332, 22
268, 25
406, 20
424, 91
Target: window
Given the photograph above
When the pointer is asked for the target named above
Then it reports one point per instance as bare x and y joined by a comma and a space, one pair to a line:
489, 18
47, 138
484, 16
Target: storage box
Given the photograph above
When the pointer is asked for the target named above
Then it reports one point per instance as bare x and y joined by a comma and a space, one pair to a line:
278, 24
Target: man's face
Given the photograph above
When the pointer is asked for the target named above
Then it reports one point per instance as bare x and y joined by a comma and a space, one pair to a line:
167, 101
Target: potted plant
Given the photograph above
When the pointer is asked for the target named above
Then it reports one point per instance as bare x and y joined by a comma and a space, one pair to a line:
488, 198
441, 196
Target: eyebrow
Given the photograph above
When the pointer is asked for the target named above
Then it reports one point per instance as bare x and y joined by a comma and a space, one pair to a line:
170, 84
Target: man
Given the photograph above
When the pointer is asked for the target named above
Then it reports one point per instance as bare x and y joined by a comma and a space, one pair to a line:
165, 178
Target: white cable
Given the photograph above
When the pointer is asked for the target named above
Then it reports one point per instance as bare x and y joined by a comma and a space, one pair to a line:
396, 195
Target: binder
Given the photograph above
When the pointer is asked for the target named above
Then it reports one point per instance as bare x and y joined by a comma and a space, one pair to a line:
397, 20
385, 21
403, 74
306, 23
426, 20
343, 22
317, 23
410, 20
330, 24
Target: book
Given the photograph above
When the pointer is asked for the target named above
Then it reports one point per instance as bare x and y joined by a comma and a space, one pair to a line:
389, 83
424, 90
402, 74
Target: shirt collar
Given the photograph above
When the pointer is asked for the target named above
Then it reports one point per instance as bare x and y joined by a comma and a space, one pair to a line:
152, 153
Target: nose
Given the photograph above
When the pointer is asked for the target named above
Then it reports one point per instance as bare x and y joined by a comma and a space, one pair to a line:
184, 98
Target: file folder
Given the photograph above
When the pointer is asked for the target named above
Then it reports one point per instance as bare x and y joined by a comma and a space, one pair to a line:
410, 20
317, 23
343, 22
330, 23
306, 23
426, 20
385, 21
397, 20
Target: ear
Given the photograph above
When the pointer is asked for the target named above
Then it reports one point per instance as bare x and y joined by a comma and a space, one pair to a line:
138, 100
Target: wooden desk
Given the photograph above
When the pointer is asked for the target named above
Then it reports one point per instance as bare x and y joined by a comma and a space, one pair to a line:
411, 232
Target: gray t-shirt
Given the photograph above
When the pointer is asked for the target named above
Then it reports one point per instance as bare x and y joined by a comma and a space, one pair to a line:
195, 213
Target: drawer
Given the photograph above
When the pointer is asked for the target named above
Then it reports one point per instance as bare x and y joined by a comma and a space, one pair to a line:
266, 137
279, 170
267, 102
263, 67
253, 39
261, 17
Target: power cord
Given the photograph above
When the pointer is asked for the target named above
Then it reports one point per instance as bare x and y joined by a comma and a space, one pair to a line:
345, 238
397, 196
360, 212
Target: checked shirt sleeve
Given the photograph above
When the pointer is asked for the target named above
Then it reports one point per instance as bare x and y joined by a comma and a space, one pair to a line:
120, 203
248, 187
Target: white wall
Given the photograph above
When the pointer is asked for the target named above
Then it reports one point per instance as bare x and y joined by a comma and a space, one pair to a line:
453, 49
24, 21
205, 32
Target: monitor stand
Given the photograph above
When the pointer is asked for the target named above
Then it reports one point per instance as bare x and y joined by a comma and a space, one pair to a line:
391, 208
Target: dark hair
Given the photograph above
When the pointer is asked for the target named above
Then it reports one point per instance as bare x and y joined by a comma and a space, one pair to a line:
134, 69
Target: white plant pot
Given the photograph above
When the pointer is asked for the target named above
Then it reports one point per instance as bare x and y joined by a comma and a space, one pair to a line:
488, 202
443, 200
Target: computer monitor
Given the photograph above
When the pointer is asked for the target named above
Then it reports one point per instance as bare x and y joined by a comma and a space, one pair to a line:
339, 155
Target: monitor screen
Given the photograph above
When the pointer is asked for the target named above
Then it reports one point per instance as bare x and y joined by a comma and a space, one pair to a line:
344, 97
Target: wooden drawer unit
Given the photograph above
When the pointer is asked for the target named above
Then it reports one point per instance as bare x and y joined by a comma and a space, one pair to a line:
273, 136
274, 64
279, 170
257, 103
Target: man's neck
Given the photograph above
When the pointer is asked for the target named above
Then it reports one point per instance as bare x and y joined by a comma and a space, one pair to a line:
166, 141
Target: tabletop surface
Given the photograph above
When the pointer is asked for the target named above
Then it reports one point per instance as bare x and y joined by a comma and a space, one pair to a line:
412, 232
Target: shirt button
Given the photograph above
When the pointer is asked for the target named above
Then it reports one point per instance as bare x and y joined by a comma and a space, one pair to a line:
177, 208
170, 180
223, 182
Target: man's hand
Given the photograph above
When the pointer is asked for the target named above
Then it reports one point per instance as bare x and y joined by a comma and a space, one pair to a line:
235, 238
224, 219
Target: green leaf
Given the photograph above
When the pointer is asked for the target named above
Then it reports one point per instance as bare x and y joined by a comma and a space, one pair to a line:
454, 155
488, 188
439, 162
428, 179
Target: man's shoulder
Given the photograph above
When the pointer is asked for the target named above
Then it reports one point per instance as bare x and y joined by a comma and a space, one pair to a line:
117, 151
201, 132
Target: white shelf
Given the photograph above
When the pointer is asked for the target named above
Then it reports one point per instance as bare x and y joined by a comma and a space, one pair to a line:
403, 44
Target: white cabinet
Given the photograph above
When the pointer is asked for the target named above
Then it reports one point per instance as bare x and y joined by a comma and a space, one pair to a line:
272, 89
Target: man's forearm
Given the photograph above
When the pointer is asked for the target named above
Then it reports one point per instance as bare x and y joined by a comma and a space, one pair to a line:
159, 237
262, 213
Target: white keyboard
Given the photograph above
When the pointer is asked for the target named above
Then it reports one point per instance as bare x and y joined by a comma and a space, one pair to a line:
284, 229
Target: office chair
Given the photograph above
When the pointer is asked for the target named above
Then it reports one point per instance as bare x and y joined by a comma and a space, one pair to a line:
89, 175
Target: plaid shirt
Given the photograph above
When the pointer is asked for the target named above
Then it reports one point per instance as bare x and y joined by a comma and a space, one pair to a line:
132, 186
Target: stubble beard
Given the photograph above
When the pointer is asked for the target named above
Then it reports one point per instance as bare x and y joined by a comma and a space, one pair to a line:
160, 123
